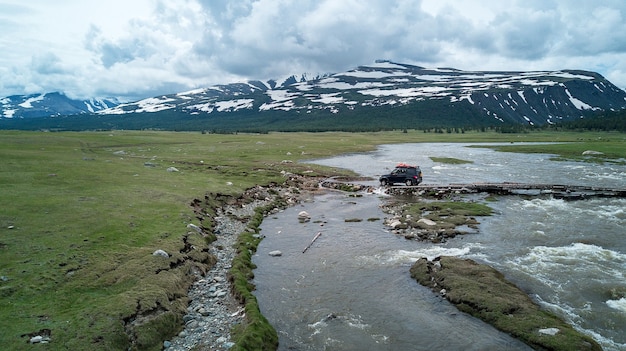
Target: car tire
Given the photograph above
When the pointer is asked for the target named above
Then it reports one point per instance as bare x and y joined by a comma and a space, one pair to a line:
384, 182
409, 182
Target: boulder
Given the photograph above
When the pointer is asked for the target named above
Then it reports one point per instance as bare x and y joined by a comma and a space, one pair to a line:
304, 216
427, 221
172, 169
161, 253
275, 253
194, 227
549, 331
36, 339
394, 223
592, 152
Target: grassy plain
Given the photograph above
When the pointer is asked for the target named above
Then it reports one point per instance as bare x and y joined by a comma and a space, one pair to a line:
82, 212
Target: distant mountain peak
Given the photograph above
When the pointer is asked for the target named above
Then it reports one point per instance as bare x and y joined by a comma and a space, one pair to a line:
50, 104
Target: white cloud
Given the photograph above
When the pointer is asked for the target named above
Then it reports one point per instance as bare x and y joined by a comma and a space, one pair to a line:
140, 48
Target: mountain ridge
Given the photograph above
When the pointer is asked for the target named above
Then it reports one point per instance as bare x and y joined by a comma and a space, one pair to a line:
382, 95
501, 95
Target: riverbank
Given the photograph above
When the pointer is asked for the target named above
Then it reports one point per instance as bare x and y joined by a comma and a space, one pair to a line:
216, 308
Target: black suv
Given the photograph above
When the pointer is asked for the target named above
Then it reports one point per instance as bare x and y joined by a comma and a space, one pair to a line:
409, 175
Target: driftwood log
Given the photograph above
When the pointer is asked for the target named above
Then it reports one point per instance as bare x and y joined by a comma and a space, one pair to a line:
312, 241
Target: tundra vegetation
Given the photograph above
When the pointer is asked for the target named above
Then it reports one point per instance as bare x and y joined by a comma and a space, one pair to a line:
81, 214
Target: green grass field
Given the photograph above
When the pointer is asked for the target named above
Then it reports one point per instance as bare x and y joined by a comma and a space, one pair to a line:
81, 214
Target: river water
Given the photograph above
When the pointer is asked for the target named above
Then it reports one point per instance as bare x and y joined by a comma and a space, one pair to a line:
351, 290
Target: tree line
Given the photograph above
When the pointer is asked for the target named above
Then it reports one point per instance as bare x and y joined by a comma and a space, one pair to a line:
431, 117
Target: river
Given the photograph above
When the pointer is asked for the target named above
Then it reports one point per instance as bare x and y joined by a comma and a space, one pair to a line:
351, 290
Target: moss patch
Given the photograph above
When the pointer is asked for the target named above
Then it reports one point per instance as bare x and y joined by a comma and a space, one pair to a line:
449, 160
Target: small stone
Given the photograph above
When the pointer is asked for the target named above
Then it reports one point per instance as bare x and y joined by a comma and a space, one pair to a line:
221, 340
187, 318
275, 253
172, 169
11, 227
166, 344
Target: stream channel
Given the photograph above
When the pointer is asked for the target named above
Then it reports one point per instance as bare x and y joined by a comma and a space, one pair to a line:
351, 290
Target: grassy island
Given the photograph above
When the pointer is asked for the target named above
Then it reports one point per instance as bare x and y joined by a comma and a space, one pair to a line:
484, 293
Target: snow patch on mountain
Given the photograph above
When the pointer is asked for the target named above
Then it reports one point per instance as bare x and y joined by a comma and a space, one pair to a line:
28, 103
234, 105
579, 104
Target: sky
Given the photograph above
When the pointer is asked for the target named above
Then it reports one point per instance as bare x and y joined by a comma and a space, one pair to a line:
133, 49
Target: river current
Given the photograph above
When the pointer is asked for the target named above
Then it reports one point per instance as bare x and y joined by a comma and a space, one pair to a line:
351, 290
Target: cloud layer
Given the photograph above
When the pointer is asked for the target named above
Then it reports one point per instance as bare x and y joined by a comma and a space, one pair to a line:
146, 48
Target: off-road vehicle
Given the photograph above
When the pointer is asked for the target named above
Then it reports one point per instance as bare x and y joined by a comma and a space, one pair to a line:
403, 173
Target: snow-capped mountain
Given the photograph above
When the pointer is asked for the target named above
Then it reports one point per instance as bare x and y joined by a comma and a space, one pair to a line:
50, 105
383, 95
535, 98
